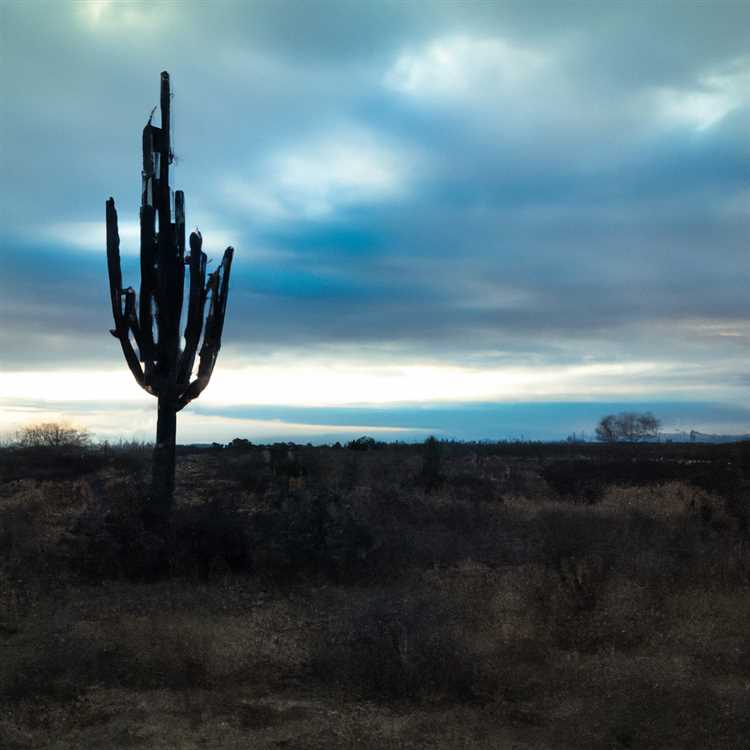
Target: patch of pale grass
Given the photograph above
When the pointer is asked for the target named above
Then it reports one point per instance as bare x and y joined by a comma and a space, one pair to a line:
664, 502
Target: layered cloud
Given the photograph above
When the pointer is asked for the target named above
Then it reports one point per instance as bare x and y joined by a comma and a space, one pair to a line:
508, 190
341, 168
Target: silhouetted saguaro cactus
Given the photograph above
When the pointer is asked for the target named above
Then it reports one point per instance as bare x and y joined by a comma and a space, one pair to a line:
164, 366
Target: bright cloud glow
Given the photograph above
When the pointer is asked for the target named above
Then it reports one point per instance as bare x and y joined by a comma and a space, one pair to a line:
92, 235
344, 167
111, 16
460, 65
714, 97
314, 384
343, 385
96, 9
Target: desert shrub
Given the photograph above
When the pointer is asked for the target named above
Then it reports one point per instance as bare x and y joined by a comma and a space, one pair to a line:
427, 531
159, 651
209, 538
239, 444
131, 458
603, 577
738, 507
719, 477
654, 714
473, 487
741, 457
112, 539
564, 534
364, 443
574, 480
666, 502
285, 462
26, 568
586, 607
432, 470
51, 463
585, 480
315, 465
48, 662
252, 472
709, 627
645, 550
21, 538
350, 472
61, 660
729, 482
396, 647
563, 602
52, 451
309, 532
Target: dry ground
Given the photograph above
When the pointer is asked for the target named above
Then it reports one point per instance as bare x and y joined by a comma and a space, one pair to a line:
345, 600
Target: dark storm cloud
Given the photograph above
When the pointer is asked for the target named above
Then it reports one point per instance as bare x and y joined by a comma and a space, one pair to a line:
555, 181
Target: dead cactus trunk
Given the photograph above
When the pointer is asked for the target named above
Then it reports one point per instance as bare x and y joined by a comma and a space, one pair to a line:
164, 363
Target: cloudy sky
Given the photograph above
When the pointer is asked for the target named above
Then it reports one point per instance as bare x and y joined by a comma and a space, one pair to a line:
478, 220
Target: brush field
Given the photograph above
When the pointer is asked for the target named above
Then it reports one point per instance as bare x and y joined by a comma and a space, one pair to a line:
444, 596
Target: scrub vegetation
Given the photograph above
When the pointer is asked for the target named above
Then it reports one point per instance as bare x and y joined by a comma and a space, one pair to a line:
443, 595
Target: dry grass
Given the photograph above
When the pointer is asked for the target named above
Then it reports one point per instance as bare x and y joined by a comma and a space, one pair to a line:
468, 622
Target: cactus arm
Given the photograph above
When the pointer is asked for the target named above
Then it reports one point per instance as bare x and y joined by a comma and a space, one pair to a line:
179, 235
218, 289
130, 316
124, 323
147, 300
196, 305
226, 264
170, 269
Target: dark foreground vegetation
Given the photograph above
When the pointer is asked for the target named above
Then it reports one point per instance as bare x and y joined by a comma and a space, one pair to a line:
372, 596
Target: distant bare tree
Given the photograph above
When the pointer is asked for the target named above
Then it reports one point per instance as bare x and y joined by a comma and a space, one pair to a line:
606, 430
52, 435
628, 427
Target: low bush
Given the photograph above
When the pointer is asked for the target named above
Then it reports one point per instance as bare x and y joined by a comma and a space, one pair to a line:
404, 648
49, 463
61, 660
210, 538
114, 542
658, 713
306, 533
48, 663
564, 534
474, 488
309, 532
585, 480
104, 547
